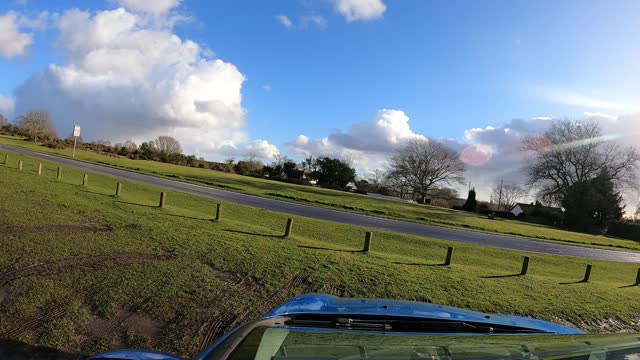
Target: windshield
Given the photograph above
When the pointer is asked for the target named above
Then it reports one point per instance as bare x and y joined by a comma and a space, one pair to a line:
268, 343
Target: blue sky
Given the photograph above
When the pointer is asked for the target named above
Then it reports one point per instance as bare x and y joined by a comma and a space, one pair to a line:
448, 66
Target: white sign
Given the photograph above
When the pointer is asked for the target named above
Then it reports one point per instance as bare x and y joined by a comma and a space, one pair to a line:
76, 130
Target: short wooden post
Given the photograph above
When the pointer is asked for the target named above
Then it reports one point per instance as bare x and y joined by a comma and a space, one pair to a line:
6, 159
447, 260
637, 278
85, 180
59, 174
218, 212
118, 189
587, 273
39, 169
367, 242
19, 164
525, 266
287, 231
163, 199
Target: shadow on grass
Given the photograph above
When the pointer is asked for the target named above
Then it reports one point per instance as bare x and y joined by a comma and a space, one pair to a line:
132, 203
574, 282
189, 217
629, 286
329, 249
501, 276
417, 264
253, 234
15, 350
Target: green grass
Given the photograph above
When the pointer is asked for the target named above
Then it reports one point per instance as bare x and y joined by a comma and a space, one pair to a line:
84, 271
340, 200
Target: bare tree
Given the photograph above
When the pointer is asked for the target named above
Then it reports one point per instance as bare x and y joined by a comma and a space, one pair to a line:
377, 177
422, 164
575, 152
506, 196
3, 121
166, 146
130, 145
38, 125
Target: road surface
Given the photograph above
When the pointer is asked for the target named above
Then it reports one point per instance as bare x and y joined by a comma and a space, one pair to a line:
435, 232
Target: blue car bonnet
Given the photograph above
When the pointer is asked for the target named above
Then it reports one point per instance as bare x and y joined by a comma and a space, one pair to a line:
328, 304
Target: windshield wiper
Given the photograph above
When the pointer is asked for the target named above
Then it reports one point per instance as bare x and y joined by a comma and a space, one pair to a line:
400, 324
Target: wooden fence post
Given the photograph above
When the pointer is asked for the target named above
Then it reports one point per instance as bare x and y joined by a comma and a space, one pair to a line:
287, 231
85, 180
367, 242
637, 278
163, 199
118, 189
39, 169
587, 273
525, 266
218, 212
6, 159
447, 260
19, 164
59, 174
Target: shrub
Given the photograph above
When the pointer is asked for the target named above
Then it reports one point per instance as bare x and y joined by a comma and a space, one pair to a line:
625, 229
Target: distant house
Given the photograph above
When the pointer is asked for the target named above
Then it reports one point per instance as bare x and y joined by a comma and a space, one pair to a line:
538, 213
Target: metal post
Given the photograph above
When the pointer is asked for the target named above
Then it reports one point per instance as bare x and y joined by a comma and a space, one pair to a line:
163, 199
118, 189
525, 266
587, 273
367, 242
287, 231
219, 212
39, 169
85, 180
59, 174
447, 261
73, 155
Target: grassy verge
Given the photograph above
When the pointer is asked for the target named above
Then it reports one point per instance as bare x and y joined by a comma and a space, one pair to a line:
340, 200
83, 270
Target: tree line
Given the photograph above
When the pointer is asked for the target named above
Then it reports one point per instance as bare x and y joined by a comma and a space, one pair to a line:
571, 166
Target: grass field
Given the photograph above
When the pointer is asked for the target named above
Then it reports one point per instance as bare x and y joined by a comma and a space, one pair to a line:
83, 271
339, 200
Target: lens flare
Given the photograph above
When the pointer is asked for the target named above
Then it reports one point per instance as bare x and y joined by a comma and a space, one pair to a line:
476, 154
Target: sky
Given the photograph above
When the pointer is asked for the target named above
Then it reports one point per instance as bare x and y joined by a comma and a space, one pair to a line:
349, 78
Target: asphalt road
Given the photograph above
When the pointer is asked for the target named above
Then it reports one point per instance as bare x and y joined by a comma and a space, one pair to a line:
435, 232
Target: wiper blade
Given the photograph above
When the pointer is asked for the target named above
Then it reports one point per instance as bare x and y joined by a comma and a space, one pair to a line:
400, 324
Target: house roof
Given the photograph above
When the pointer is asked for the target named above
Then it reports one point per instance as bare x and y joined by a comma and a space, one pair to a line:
530, 208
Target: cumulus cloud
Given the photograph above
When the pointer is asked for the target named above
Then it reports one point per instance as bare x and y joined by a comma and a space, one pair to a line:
6, 106
360, 10
155, 7
125, 79
13, 42
261, 149
367, 144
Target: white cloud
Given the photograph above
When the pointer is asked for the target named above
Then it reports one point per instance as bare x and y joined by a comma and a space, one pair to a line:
266, 87
6, 106
261, 149
315, 20
285, 21
360, 10
156, 7
125, 79
13, 43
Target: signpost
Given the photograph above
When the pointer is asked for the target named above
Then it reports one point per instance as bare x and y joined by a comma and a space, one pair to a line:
76, 133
